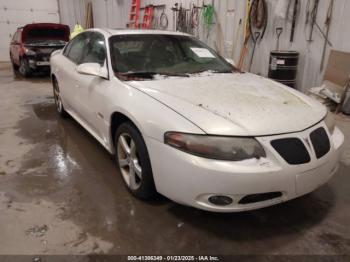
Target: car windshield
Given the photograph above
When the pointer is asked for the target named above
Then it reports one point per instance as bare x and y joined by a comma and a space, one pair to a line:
146, 55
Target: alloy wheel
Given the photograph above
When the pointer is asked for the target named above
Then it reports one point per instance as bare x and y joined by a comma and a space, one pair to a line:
57, 97
128, 160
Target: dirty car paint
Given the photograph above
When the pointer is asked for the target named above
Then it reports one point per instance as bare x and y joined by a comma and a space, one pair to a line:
236, 104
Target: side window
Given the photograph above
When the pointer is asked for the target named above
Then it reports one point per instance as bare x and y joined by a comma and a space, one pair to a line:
95, 51
75, 48
67, 47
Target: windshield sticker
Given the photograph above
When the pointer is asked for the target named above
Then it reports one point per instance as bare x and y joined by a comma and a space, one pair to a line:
202, 52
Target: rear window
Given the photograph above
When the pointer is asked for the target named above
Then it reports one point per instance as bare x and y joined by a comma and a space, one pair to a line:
38, 34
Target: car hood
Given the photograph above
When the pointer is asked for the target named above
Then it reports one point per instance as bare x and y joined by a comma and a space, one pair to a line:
62, 32
240, 104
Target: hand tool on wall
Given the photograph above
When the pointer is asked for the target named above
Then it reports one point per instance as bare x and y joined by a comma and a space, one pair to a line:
194, 18
89, 20
324, 35
182, 24
235, 40
208, 17
256, 19
294, 19
175, 9
312, 16
307, 13
255, 40
246, 36
163, 20
328, 25
258, 16
279, 31
158, 21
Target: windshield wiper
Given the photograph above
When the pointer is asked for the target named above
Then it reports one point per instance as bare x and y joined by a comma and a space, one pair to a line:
151, 74
46, 43
213, 72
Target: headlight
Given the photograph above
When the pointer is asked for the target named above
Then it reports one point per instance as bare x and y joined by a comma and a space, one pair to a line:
216, 147
28, 51
330, 122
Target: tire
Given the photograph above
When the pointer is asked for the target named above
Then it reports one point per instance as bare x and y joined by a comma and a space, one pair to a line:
135, 166
24, 68
14, 66
58, 99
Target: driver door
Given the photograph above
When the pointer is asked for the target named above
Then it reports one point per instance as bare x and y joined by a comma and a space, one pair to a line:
68, 81
91, 89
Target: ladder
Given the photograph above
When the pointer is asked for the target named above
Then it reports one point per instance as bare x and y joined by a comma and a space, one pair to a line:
134, 14
147, 17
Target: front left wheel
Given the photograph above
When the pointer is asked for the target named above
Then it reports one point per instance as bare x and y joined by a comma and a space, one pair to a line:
24, 68
14, 66
133, 161
58, 99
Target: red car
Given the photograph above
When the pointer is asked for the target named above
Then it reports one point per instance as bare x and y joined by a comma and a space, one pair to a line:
32, 45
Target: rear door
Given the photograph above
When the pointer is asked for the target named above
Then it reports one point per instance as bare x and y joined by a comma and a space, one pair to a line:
15, 46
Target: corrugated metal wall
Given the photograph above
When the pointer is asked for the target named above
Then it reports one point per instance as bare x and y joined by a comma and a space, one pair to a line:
114, 14
72, 11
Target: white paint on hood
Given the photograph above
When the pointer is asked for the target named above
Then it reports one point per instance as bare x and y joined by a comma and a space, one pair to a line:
236, 104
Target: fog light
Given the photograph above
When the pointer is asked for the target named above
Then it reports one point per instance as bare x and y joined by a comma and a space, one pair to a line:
220, 200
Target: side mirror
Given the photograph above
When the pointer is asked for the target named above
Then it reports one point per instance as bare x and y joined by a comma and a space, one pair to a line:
92, 69
229, 60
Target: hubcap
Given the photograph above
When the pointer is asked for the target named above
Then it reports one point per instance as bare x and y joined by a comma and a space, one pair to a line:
21, 68
128, 161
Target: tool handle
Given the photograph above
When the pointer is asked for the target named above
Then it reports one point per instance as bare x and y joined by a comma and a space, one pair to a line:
256, 36
279, 31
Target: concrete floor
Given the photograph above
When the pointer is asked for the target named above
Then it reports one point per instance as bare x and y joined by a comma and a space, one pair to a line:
60, 194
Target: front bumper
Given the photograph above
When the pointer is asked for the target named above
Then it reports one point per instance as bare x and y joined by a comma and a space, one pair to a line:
191, 180
36, 64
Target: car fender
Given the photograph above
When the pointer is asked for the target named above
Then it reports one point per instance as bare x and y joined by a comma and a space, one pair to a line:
150, 116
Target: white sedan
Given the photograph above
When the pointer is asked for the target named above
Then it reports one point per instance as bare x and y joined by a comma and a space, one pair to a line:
182, 121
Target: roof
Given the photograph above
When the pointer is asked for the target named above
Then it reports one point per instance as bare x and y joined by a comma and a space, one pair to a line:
138, 31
